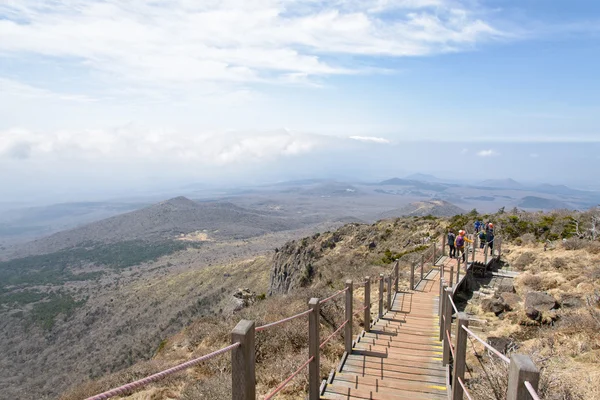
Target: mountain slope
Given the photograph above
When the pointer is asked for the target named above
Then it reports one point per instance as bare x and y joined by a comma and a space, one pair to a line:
438, 208
168, 220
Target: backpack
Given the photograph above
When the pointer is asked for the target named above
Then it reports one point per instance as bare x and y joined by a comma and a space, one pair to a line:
460, 241
451, 238
482, 235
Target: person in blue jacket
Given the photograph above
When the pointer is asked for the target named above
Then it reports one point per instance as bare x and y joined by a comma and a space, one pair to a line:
477, 226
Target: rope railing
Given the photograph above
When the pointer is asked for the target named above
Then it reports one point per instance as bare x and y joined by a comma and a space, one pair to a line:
490, 348
450, 346
360, 311
284, 383
462, 384
333, 296
453, 305
531, 390
153, 378
281, 321
333, 334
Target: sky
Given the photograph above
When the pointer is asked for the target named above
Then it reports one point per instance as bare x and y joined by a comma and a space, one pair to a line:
104, 96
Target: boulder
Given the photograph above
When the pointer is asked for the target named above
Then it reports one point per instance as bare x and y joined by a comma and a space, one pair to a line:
540, 301
499, 343
505, 287
492, 305
511, 300
243, 298
532, 313
570, 301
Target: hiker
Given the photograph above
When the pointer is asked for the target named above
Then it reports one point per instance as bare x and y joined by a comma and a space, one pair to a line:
489, 236
482, 239
489, 227
460, 244
451, 239
477, 226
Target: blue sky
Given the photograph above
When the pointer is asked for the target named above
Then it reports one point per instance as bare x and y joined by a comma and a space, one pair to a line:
203, 89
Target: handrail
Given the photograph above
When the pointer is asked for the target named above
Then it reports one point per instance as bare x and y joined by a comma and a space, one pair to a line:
360, 310
453, 305
450, 346
280, 387
490, 348
152, 378
333, 296
281, 321
333, 334
531, 391
462, 384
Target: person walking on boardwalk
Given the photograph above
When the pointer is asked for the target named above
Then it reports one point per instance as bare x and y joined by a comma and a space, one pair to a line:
451, 239
477, 226
482, 239
489, 237
460, 242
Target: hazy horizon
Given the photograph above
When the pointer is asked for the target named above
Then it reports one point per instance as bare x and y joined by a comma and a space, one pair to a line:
102, 99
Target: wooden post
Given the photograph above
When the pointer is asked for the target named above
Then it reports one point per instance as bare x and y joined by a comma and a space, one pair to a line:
447, 322
521, 369
434, 251
474, 248
443, 245
422, 265
348, 327
441, 306
451, 275
380, 295
499, 247
397, 274
412, 276
485, 250
458, 272
389, 292
367, 315
461, 353
243, 375
314, 374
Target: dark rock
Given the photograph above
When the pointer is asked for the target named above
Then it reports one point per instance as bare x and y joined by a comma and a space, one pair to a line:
571, 301
372, 245
540, 301
505, 287
511, 301
532, 313
492, 305
499, 343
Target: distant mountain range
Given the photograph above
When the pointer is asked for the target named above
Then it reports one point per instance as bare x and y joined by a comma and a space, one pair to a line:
168, 220
541, 203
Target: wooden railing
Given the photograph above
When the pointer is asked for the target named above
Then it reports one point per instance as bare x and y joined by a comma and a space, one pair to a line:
523, 375
243, 363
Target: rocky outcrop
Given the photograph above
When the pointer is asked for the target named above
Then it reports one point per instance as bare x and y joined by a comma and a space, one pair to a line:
243, 298
293, 266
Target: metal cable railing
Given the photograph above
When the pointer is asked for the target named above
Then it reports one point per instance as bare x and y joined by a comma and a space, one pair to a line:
453, 305
153, 378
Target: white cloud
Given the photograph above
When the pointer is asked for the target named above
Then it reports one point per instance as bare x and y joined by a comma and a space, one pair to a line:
154, 146
9, 87
371, 139
487, 153
177, 42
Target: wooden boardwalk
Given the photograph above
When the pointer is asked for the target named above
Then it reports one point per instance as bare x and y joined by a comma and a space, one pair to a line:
401, 356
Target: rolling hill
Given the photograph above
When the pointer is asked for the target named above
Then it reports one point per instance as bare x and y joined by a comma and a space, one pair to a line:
168, 220
438, 208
